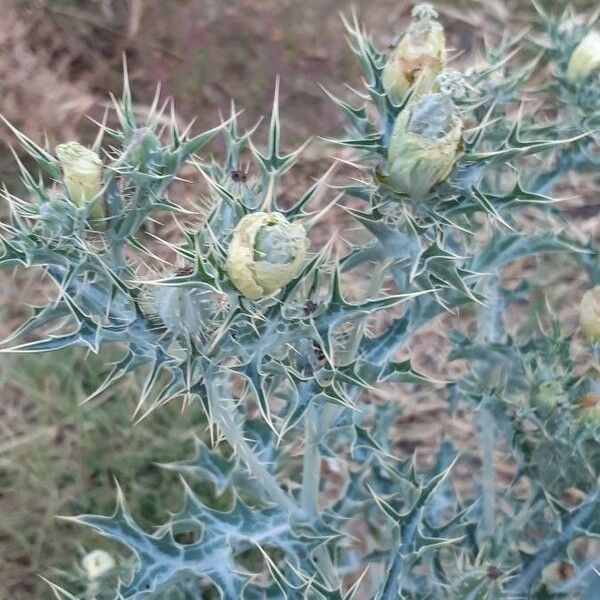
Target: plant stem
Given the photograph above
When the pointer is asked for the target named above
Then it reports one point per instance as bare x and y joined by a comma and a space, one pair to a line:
400, 561
490, 329
118, 255
223, 413
488, 473
311, 477
311, 464
550, 549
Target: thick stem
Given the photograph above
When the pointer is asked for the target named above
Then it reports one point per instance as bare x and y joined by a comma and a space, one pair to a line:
488, 475
311, 464
311, 477
401, 560
490, 330
118, 255
223, 411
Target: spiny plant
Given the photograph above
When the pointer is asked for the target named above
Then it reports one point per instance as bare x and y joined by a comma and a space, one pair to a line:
288, 360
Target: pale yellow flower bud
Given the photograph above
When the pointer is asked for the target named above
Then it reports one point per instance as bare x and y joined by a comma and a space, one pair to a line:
266, 252
97, 563
585, 58
419, 56
589, 314
82, 174
424, 145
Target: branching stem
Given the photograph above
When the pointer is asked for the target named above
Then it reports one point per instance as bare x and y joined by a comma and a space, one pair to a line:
223, 413
311, 477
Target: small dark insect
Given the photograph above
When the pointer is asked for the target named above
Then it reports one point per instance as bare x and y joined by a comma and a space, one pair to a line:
493, 572
239, 176
318, 351
309, 307
185, 270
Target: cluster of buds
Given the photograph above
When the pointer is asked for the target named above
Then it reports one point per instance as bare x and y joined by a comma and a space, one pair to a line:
589, 315
266, 252
82, 175
426, 139
585, 59
419, 57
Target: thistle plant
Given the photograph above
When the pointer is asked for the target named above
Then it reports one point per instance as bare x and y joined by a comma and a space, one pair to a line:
300, 375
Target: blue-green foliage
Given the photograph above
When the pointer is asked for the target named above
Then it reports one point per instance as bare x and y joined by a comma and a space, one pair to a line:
286, 376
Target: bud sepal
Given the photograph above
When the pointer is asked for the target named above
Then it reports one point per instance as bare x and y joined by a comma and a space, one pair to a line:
418, 58
424, 145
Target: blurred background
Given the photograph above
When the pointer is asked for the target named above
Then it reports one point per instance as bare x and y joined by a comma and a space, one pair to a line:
59, 62
60, 59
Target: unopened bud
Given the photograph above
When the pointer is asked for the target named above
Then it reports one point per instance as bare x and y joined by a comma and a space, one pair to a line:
266, 252
589, 409
187, 310
549, 395
82, 174
585, 58
97, 563
424, 145
418, 57
145, 150
589, 314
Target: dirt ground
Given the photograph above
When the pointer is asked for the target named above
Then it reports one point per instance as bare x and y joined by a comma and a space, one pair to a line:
59, 61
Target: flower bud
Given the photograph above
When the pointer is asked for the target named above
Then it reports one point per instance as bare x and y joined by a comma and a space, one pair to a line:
97, 564
145, 150
82, 174
589, 314
548, 395
585, 58
424, 145
188, 310
589, 409
266, 252
418, 57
